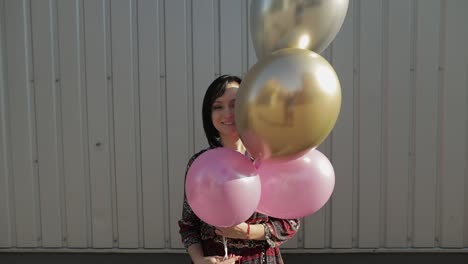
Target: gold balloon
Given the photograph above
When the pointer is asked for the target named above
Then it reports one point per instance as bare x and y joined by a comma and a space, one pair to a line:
287, 104
306, 24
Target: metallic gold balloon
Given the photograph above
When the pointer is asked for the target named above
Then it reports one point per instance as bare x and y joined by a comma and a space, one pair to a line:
306, 24
287, 104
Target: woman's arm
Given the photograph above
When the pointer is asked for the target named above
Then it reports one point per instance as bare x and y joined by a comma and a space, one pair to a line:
189, 226
243, 231
196, 252
275, 231
257, 232
278, 231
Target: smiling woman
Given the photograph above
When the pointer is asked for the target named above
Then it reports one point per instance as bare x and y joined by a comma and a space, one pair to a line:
222, 114
256, 240
217, 101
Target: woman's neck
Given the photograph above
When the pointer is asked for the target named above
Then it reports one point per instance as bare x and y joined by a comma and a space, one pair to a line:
233, 143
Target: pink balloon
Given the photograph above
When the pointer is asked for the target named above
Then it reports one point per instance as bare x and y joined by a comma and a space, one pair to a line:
222, 187
295, 188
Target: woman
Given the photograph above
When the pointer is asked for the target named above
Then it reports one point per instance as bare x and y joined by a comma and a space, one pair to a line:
257, 240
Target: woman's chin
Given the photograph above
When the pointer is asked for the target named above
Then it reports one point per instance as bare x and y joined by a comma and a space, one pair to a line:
233, 134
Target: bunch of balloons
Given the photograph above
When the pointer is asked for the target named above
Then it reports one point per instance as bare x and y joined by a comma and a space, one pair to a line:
287, 105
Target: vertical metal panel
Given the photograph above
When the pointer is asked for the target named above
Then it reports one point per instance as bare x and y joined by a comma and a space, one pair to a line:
21, 96
203, 62
397, 127
231, 37
73, 105
343, 134
356, 51
251, 56
5, 173
47, 108
97, 78
465, 221
178, 125
315, 226
244, 23
313, 229
125, 91
370, 96
454, 117
152, 112
425, 123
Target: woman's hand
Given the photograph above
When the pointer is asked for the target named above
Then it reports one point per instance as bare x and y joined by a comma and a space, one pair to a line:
239, 231
218, 260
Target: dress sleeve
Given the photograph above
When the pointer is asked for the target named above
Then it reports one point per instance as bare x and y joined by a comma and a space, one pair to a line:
189, 224
278, 231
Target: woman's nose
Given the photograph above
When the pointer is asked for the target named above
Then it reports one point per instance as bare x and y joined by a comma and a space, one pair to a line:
229, 111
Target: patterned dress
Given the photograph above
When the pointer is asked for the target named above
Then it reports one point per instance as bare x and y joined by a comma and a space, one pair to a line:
277, 231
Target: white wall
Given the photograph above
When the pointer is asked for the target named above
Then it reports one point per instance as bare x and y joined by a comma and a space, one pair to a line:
100, 109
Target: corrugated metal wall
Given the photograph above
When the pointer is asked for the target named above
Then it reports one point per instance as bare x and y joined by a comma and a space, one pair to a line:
100, 107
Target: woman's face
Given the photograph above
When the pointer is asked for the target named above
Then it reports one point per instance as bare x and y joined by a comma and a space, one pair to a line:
222, 112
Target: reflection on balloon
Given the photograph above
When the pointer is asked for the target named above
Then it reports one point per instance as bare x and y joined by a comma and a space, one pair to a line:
222, 187
306, 24
296, 188
287, 104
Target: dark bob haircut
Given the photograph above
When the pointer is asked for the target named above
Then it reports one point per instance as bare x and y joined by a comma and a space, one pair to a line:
215, 90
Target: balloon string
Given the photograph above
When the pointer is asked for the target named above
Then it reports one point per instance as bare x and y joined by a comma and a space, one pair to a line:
225, 248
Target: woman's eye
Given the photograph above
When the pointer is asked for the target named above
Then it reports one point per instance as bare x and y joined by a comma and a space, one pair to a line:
217, 107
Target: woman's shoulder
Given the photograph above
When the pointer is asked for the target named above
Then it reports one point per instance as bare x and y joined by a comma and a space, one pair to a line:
195, 156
